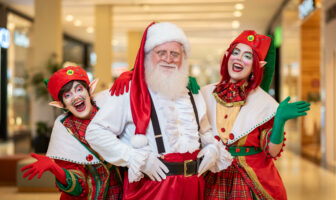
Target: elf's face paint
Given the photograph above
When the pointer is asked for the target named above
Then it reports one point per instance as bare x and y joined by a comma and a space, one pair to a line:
240, 63
78, 101
168, 56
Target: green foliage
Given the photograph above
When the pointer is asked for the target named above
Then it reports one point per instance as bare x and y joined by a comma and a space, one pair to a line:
37, 79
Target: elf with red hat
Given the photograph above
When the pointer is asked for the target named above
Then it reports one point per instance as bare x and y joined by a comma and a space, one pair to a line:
248, 121
80, 172
157, 129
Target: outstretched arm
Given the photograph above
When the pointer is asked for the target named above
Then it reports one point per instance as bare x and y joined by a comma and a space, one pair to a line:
285, 112
43, 164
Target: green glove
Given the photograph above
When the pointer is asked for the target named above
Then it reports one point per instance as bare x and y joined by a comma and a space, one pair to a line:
285, 112
193, 85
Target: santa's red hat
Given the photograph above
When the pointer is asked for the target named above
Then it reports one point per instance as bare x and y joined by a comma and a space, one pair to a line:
259, 43
154, 35
63, 76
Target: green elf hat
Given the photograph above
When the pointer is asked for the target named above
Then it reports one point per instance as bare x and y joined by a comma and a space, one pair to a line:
269, 67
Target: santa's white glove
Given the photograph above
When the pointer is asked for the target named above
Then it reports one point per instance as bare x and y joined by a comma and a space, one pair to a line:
154, 168
210, 153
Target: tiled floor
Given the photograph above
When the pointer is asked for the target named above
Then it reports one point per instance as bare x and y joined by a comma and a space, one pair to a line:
303, 180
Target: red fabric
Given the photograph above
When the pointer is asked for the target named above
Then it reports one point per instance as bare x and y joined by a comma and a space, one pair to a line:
63, 76
231, 92
97, 177
172, 188
78, 126
220, 185
140, 100
232, 183
259, 43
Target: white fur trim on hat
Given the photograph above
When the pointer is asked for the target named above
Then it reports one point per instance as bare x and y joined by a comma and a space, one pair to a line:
139, 141
160, 33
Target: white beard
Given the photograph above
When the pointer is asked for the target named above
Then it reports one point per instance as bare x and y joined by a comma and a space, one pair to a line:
171, 83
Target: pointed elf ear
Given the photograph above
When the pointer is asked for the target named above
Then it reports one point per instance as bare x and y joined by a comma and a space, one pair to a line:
93, 85
226, 53
56, 104
262, 63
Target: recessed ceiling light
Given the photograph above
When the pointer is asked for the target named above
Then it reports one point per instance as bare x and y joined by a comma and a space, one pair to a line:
90, 29
78, 23
239, 6
235, 24
237, 13
11, 25
69, 18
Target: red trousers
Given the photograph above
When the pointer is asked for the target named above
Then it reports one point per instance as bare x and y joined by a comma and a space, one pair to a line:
176, 187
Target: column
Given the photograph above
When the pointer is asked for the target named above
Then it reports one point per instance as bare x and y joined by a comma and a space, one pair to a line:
103, 46
47, 40
133, 44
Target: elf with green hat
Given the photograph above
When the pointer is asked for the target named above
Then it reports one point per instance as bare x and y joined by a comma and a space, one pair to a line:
80, 172
249, 122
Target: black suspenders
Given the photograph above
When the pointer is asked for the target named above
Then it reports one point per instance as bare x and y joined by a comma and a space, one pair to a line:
156, 125
157, 130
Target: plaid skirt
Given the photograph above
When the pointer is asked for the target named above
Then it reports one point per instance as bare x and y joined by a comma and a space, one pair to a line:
231, 183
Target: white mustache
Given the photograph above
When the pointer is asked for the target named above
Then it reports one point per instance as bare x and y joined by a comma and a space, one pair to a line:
167, 65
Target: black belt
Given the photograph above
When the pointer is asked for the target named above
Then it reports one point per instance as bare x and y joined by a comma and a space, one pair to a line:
186, 168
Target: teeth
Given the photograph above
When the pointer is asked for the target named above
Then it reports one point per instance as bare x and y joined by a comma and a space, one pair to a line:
78, 103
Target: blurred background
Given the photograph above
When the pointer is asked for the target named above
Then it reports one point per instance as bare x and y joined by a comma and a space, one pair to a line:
103, 36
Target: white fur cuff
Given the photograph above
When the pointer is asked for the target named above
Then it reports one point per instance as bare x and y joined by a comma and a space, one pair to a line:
139, 141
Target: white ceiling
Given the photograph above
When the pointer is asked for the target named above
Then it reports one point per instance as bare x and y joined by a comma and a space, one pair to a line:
207, 23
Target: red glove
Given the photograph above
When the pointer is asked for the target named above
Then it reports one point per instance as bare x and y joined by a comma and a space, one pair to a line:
43, 164
120, 83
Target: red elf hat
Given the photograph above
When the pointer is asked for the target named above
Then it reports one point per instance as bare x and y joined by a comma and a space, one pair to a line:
63, 76
259, 43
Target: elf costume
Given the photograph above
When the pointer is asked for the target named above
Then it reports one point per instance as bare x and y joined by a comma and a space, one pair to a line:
138, 127
80, 172
247, 119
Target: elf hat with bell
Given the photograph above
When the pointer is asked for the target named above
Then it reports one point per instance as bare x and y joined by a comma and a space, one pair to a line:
264, 47
154, 35
63, 76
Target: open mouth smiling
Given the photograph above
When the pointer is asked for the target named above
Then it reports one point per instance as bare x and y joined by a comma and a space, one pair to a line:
80, 106
237, 67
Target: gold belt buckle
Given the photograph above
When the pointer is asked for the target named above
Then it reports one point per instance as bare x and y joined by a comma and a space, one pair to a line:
185, 168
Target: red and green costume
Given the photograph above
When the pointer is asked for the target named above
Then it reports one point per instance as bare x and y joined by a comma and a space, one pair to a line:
88, 177
243, 115
253, 173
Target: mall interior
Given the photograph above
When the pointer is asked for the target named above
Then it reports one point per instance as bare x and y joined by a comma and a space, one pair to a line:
103, 37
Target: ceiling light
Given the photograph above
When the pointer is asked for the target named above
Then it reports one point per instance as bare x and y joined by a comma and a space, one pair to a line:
89, 29
11, 26
235, 24
78, 23
69, 18
146, 8
237, 13
239, 6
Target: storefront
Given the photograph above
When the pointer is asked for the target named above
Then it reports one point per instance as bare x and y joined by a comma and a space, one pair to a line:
301, 75
16, 76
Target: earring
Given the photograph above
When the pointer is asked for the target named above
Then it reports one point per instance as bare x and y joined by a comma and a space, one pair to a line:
252, 77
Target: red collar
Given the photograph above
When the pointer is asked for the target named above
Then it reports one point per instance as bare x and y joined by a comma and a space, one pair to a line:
231, 94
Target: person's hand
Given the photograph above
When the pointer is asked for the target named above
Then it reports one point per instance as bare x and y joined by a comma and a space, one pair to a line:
288, 111
43, 164
120, 83
155, 169
210, 154
193, 85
